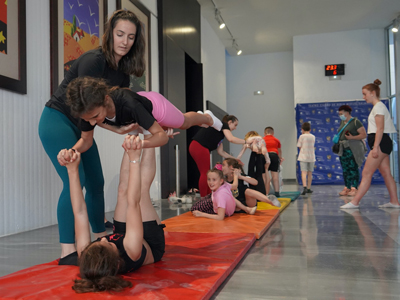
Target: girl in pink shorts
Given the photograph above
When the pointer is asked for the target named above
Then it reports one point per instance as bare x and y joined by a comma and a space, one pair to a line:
121, 110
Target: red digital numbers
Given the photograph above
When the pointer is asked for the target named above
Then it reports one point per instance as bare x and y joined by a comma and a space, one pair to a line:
331, 67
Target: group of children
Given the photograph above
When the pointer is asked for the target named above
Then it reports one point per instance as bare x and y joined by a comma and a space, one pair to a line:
229, 185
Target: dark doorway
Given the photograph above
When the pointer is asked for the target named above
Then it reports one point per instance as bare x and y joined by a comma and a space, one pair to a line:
194, 102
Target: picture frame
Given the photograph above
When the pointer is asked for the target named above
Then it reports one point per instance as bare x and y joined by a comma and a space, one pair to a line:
13, 46
76, 26
143, 83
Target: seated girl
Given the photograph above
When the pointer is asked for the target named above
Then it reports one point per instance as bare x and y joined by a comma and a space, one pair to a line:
222, 203
138, 237
249, 197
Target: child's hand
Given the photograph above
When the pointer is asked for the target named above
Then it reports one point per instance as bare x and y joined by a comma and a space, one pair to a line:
196, 213
170, 132
133, 146
236, 172
69, 158
66, 156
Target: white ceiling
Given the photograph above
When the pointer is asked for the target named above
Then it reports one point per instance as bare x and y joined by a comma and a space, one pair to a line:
263, 26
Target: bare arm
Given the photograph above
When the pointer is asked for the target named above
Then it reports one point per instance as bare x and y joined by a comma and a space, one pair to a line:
119, 129
85, 142
232, 139
242, 152
219, 216
133, 241
81, 220
362, 134
159, 137
220, 151
248, 179
380, 124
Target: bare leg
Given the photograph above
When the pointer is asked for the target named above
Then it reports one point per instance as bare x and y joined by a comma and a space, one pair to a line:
252, 196
309, 179
369, 168
384, 169
268, 181
148, 171
304, 178
241, 206
193, 118
275, 181
67, 249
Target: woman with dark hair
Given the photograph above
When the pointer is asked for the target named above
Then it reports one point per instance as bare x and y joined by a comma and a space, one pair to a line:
138, 237
207, 140
121, 55
380, 124
352, 150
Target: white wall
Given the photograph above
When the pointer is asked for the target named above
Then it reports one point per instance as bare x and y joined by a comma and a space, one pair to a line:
29, 185
214, 69
362, 52
272, 73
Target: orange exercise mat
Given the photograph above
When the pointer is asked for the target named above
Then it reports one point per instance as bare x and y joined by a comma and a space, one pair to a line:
238, 223
193, 267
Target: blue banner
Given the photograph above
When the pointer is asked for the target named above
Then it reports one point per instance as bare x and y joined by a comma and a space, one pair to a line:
325, 123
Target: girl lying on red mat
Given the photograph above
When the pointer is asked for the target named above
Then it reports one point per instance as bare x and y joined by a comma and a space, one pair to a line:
221, 204
138, 237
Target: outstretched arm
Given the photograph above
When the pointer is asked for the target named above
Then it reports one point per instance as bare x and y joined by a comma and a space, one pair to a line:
133, 241
81, 220
119, 129
232, 139
224, 154
219, 216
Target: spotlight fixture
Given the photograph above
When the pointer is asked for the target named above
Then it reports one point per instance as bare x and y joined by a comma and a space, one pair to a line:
396, 24
236, 47
219, 19
222, 24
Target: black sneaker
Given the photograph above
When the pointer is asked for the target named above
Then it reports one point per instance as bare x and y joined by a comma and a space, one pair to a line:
304, 191
309, 191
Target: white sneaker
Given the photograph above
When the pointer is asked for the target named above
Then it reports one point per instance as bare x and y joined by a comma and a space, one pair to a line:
202, 125
274, 200
389, 205
217, 124
350, 205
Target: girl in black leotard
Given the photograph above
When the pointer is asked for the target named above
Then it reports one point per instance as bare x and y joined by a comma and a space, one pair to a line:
138, 238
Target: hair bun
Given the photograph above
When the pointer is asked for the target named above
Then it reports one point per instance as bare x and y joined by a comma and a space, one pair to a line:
377, 82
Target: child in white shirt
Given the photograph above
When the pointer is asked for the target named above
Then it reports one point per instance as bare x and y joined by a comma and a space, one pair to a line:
306, 156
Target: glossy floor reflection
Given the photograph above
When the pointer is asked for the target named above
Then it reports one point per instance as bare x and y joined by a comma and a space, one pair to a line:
314, 250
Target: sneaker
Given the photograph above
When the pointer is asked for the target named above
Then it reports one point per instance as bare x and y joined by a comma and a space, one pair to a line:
274, 201
304, 191
217, 124
277, 194
350, 206
352, 192
344, 192
389, 205
309, 191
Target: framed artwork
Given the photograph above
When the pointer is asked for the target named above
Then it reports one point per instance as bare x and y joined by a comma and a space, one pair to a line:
143, 83
76, 26
13, 45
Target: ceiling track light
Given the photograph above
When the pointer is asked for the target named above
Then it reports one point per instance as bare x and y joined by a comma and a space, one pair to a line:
219, 19
236, 47
222, 24
396, 24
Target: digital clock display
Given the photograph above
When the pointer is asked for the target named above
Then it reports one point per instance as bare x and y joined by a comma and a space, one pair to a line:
334, 70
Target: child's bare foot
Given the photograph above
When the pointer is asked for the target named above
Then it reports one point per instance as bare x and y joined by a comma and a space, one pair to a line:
251, 210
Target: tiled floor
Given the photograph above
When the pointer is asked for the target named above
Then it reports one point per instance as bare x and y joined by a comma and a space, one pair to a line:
314, 250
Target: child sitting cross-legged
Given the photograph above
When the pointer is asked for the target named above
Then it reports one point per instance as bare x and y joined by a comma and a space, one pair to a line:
222, 203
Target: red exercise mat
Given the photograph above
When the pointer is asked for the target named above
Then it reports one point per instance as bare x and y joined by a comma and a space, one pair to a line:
238, 223
193, 267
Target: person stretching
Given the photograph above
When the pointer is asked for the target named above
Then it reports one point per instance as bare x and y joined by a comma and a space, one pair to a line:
138, 237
